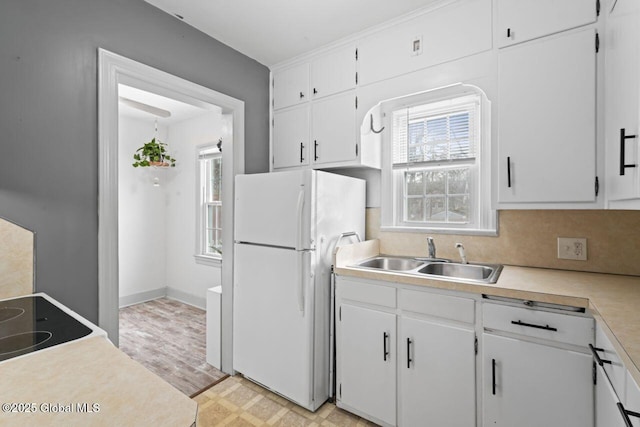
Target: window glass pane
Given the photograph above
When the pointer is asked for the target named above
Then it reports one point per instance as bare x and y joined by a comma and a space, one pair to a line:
458, 209
415, 186
218, 217
436, 183
458, 181
437, 129
216, 179
210, 217
435, 209
415, 209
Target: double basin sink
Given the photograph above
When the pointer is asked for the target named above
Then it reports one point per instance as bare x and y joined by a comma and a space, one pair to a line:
435, 268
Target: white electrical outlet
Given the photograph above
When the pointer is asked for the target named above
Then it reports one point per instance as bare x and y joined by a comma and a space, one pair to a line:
572, 248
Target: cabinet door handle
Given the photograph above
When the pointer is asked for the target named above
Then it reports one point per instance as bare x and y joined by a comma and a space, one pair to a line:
409, 360
301, 95
623, 138
509, 32
315, 91
509, 172
599, 361
531, 325
625, 414
301, 151
384, 346
315, 150
493, 376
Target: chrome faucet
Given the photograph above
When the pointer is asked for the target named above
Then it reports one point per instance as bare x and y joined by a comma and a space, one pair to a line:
432, 247
463, 257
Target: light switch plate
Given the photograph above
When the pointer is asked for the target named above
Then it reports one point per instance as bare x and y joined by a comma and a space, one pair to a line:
572, 248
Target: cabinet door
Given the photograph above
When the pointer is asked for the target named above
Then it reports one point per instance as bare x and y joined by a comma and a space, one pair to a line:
632, 399
521, 20
437, 375
622, 96
607, 413
533, 385
546, 129
366, 362
290, 145
333, 73
333, 126
290, 86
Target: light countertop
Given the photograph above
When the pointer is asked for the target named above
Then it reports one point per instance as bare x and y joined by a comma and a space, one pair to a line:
614, 300
56, 382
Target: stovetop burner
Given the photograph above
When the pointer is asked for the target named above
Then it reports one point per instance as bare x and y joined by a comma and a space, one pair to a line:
32, 323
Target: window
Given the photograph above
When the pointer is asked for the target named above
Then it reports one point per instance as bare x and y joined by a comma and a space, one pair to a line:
210, 202
434, 175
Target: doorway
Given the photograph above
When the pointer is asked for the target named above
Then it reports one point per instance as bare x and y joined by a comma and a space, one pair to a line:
115, 70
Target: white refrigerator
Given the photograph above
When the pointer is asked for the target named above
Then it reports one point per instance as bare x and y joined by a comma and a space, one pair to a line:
286, 227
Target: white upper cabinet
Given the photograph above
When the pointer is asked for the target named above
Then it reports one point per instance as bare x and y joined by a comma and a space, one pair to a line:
291, 131
622, 99
522, 20
333, 129
333, 72
291, 86
547, 120
444, 34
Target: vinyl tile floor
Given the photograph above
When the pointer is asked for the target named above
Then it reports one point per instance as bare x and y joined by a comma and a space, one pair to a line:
168, 338
238, 402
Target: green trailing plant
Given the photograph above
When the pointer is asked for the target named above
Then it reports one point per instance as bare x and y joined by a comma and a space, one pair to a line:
153, 153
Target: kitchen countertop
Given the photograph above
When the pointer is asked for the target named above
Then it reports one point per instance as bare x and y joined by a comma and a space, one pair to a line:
614, 300
91, 371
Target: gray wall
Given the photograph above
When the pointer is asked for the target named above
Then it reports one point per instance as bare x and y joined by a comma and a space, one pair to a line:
49, 110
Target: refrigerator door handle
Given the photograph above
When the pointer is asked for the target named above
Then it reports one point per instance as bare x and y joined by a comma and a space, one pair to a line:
299, 218
301, 281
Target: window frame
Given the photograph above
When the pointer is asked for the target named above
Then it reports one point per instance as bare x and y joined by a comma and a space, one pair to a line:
485, 219
202, 255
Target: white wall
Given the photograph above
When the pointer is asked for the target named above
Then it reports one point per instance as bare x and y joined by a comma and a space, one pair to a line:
186, 279
141, 213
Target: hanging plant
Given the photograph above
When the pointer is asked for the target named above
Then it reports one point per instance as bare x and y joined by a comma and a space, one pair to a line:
153, 153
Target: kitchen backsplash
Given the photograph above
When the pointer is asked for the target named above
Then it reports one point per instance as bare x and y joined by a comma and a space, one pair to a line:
16, 260
529, 238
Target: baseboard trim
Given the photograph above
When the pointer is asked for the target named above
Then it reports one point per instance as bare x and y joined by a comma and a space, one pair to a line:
142, 297
186, 298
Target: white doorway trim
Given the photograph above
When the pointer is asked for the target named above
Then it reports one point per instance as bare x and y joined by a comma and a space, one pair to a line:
112, 70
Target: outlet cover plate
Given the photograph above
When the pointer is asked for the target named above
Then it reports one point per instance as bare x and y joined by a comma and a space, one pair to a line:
572, 248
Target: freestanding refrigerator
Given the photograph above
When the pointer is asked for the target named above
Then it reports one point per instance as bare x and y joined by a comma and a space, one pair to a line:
286, 227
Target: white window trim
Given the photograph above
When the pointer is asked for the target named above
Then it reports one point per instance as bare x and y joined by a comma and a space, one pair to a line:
487, 222
200, 257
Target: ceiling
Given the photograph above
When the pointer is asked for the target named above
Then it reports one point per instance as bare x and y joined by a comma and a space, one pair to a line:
179, 110
272, 31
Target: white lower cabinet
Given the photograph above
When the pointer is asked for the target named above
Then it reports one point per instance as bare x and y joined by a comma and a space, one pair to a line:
437, 374
527, 384
607, 413
367, 362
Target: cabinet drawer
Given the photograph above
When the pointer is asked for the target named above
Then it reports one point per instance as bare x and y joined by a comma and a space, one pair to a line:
539, 324
615, 370
444, 306
366, 292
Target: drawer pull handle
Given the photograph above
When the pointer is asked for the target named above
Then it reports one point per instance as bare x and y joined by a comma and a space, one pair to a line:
531, 325
384, 346
493, 376
625, 414
599, 361
623, 138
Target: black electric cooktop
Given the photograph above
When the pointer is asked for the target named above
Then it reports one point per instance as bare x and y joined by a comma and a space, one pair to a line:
32, 323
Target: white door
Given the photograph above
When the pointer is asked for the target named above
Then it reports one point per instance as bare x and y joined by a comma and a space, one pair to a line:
437, 375
366, 364
546, 129
333, 129
274, 209
272, 337
534, 385
290, 146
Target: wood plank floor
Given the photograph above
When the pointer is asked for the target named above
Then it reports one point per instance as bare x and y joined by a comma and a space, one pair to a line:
168, 338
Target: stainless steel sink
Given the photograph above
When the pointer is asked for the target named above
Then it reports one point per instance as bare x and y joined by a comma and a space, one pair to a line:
442, 269
479, 272
391, 263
